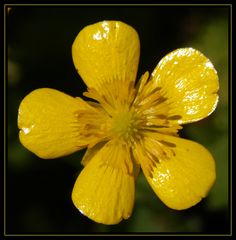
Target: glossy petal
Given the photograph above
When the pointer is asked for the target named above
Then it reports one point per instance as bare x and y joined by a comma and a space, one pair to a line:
180, 172
48, 124
104, 190
106, 51
189, 82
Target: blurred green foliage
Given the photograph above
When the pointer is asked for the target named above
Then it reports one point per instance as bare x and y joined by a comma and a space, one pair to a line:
39, 43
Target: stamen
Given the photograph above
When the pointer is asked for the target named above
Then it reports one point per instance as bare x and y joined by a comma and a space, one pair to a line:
129, 115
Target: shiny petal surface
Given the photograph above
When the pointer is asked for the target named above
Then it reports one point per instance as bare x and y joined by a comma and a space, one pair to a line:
180, 172
106, 51
190, 83
104, 190
48, 123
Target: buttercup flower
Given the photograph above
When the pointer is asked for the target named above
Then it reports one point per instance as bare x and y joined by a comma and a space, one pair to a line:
126, 125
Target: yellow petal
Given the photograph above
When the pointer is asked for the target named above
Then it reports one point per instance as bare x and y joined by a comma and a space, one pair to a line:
190, 83
180, 172
104, 190
106, 51
90, 152
48, 124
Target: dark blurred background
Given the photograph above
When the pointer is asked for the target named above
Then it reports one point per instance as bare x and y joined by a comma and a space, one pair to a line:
39, 40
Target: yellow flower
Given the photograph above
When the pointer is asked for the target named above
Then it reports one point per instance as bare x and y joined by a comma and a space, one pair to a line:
126, 125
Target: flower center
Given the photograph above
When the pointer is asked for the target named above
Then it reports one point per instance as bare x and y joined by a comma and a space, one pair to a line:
124, 124
131, 112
